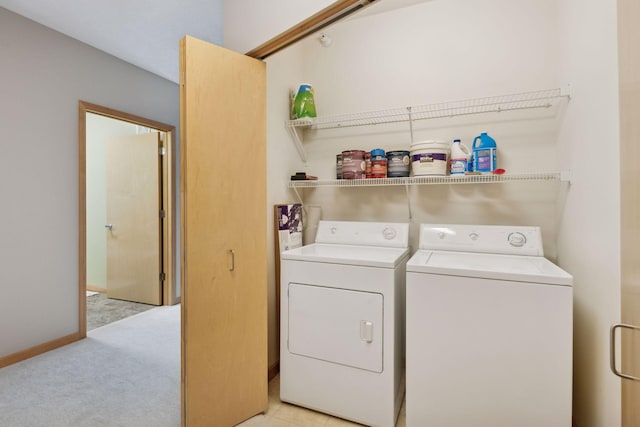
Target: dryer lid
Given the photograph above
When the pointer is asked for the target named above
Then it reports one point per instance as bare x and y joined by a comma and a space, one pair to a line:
518, 268
367, 256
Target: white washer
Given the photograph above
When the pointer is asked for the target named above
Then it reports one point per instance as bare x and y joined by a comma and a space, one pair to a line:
489, 330
342, 318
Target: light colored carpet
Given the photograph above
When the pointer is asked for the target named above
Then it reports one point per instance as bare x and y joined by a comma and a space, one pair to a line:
124, 374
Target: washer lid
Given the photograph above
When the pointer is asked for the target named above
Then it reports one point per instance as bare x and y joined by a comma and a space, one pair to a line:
519, 268
368, 256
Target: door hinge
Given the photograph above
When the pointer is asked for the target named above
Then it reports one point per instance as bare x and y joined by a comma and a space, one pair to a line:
163, 277
163, 213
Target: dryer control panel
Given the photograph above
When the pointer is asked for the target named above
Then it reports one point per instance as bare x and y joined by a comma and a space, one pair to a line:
495, 239
383, 234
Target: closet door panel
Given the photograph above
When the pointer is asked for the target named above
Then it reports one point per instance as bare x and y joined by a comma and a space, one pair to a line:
224, 268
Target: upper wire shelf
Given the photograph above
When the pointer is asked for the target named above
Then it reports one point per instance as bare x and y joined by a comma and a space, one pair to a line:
518, 101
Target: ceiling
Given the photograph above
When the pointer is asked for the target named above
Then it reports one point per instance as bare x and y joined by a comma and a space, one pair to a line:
145, 33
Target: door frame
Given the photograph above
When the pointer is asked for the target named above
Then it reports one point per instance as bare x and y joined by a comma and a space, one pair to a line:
168, 203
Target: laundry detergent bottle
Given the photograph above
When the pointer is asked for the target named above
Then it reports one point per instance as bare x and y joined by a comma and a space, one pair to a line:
304, 104
459, 160
484, 153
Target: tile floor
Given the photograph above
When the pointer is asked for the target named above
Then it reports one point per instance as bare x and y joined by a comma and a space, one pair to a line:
280, 414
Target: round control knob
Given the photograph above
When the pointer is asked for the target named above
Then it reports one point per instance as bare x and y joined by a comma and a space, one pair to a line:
334, 230
474, 236
389, 233
517, 239
441, 235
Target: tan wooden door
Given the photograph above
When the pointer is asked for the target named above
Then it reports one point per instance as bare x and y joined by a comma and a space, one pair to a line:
629, 80
224, 227
133, 222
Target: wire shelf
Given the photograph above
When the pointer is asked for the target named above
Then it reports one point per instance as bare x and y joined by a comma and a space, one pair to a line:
431, 180
518, 101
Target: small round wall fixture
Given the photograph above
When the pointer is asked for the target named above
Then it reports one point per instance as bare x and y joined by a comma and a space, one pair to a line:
325, 40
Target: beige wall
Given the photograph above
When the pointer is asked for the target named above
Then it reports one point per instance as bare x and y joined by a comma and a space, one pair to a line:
43, 75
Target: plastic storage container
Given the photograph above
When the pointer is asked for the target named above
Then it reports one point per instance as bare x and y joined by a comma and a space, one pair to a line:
398, 164
430, 158
338, 166
353, 165
484, 153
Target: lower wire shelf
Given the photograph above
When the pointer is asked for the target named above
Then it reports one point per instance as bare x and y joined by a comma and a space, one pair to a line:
432, 180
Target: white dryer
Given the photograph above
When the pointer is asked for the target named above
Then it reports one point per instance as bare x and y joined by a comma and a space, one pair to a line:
342, 321
489, 330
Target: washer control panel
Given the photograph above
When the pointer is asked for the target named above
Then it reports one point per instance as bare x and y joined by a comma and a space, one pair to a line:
384, 234
482, 238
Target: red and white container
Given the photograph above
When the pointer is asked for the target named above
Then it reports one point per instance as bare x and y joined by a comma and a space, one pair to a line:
353, 165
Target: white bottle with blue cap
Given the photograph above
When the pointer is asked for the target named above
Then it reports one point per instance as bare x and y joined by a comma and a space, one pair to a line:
459, 159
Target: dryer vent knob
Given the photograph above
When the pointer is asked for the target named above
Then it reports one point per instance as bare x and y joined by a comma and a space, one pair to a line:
389, 233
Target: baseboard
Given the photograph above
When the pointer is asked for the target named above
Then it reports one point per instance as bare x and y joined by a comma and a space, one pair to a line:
38, 349
96, 289
274, 370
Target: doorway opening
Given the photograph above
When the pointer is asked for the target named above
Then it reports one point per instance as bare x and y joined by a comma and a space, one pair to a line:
126, 215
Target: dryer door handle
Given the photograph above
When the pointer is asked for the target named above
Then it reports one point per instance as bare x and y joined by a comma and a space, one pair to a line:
366, 331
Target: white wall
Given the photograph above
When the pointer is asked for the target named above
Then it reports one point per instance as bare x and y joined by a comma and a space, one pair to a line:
282, 157
589, 236
43, 76
249, 23
433, 52
456, 49
99, 129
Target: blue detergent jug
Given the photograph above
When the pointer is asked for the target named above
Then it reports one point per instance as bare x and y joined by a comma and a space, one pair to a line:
484, 153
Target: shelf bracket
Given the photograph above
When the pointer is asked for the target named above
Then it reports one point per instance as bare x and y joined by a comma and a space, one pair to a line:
410, 124
565, 176
406, 187
298, 143
295, 189
566, 91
